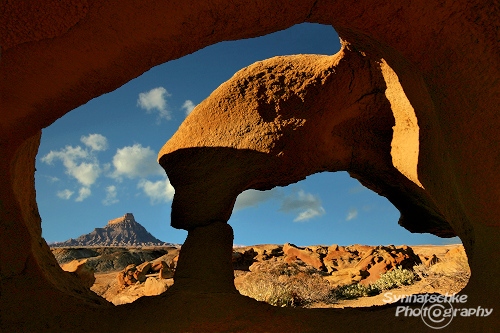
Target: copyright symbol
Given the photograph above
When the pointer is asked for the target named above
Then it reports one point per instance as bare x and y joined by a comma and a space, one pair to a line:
437, 315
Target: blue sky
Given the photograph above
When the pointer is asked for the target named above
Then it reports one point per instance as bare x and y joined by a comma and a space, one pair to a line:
99, 161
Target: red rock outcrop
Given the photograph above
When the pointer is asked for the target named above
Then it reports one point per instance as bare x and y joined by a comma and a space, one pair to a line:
306, 255
445, 55
384, 259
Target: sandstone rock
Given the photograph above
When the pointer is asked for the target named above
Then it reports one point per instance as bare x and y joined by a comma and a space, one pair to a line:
128, 277
81, 270
429, 260
153, 287
292, 253
250, 132
346, 276
383, 259
144, 267
205, 260
444, 55
339, 257
243, 260
163, 270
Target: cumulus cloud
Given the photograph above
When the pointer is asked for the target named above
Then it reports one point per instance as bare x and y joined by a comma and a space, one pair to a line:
188, 106
307, 205
86, 173
78, 162
83, 194
111, 194
251, 198
352, 214
155, 100
65, 194
160, 191
135, 162
309, 214
52, 179
95, 141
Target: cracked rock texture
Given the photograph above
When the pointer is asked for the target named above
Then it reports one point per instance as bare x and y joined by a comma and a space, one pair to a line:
436, 85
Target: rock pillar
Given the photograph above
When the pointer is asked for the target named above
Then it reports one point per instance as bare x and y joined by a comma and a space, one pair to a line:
204, 264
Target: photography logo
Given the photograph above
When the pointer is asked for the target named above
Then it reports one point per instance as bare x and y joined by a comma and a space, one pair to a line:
437, 311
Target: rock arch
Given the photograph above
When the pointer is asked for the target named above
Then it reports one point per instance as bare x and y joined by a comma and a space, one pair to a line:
56, 56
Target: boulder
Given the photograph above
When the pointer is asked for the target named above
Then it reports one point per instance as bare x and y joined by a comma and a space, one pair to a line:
81, 270
153, 287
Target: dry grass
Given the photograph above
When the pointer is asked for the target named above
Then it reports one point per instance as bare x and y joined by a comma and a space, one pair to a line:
296, 284
286, 285
451, 273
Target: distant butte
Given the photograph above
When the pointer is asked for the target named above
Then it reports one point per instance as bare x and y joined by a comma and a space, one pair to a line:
122, 231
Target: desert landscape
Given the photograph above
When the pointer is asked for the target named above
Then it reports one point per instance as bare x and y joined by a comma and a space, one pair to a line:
284, 275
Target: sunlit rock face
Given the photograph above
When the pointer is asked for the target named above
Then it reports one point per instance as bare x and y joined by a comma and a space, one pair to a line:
282, 119
56, 56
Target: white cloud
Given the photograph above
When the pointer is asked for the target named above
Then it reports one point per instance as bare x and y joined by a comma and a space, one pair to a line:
160, 191
352, 214
65, 194
52, 179
85, 173
250, 198
135, 161
155, 99
111, 194
95, 141
188, 106
309, 214
78, 162
307, 204
83, 194
67, 155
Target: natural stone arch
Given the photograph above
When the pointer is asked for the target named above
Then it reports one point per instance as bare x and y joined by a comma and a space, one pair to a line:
282, 119
446, 57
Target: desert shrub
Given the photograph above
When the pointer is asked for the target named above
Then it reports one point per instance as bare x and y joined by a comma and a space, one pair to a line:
396, 278
286, 285
451, 274
355, 291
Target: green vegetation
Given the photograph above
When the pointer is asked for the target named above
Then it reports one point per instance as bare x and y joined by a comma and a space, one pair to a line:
393, 279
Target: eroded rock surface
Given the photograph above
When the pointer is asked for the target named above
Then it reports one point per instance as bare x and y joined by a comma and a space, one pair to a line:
59, 55
81, 270
282, 119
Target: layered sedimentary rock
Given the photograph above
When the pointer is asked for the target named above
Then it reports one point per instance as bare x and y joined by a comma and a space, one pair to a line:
122, 231
445, 55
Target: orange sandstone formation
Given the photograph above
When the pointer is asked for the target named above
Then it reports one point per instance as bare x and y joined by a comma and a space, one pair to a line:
434, 133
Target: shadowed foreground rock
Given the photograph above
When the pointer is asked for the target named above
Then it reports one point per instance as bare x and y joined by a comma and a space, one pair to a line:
437, 86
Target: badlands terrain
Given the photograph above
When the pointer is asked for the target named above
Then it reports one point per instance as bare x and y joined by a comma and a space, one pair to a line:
283, 275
